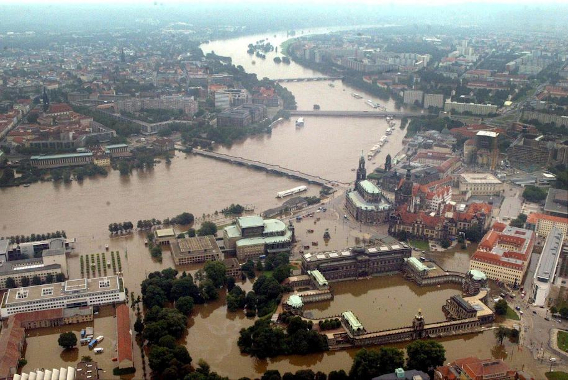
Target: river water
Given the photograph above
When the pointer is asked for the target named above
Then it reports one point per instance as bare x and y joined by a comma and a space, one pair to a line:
326, 146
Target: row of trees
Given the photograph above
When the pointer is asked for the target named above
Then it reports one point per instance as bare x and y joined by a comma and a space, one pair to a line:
116, 228
534, 194
17, 239
35, 280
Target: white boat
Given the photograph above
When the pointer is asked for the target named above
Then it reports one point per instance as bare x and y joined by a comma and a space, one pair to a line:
99, 350
356, 96
295, 190
300, 122
100, 338
389, 130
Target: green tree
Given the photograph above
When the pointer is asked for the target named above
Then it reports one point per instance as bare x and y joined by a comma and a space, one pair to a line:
425, 355
372, 363
167, 341
59, 277
86, 358
281, 273
10, 283
501, 333
138, 325
208, 290
160, 358
216, 272
25, 281
207, 228
337, 375
501, 307
534, 194
185, 305
67, 340
49, 278
36, 280
154, 296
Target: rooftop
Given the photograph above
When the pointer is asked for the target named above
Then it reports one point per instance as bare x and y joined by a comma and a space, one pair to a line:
166, 232
550, 255
61, 289
250, 221
318, 277
60, 156
352, 320
480, 178
295, 301
557, 202
369, 187
352, 253
478, 275
124, 335
265, 240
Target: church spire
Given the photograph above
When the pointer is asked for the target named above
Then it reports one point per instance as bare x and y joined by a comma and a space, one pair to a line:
361, 171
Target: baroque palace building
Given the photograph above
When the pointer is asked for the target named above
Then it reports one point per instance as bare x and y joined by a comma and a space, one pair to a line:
366, 202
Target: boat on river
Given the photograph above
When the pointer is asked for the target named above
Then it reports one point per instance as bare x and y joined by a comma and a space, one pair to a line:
372, 104
356, 96
295, 190
300, 122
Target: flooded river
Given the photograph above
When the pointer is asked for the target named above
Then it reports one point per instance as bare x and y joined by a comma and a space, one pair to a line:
325, 146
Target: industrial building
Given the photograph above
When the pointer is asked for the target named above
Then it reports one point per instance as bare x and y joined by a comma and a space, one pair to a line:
198, 249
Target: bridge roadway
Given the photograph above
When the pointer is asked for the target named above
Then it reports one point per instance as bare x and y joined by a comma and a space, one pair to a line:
269, 168
310, 79
396, 114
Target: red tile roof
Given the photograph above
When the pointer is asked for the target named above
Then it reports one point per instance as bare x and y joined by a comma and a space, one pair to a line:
11, 338
535, 217
124, 335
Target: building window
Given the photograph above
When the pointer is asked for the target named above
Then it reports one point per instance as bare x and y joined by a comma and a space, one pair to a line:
47, 291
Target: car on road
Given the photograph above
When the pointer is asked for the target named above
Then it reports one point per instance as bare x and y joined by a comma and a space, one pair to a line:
534, 311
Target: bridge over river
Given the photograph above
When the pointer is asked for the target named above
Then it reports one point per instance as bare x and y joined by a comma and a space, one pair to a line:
310, 79
269, 168
396, 114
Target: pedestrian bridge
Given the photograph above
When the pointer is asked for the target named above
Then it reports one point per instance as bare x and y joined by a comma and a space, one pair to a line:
355, 113
269, 168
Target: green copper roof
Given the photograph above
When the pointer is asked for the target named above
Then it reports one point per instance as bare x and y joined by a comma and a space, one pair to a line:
369, 187
352, 320
478, 275
295, 301
250, 221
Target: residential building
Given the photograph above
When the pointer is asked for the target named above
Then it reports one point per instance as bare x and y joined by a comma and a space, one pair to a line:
222, 100
504, 253
367, 203
242, 115
386, 256
68, 294
473, 368
546, 268
545, 118
171, 102
479, 184
543, 224
473, 108
413, 97
124, 337
557, 202
198, 249
267, 97
252, 237
434, 100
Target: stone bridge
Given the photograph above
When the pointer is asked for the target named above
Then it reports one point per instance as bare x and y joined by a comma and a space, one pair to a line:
277, 169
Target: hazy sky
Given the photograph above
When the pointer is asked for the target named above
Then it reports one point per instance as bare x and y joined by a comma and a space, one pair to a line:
279, 2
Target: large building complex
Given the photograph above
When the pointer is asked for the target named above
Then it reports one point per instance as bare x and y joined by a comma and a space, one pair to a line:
242, 115
546, 268
385, 257
367, 203
252, 237
504, 253
68, 294
478, 369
